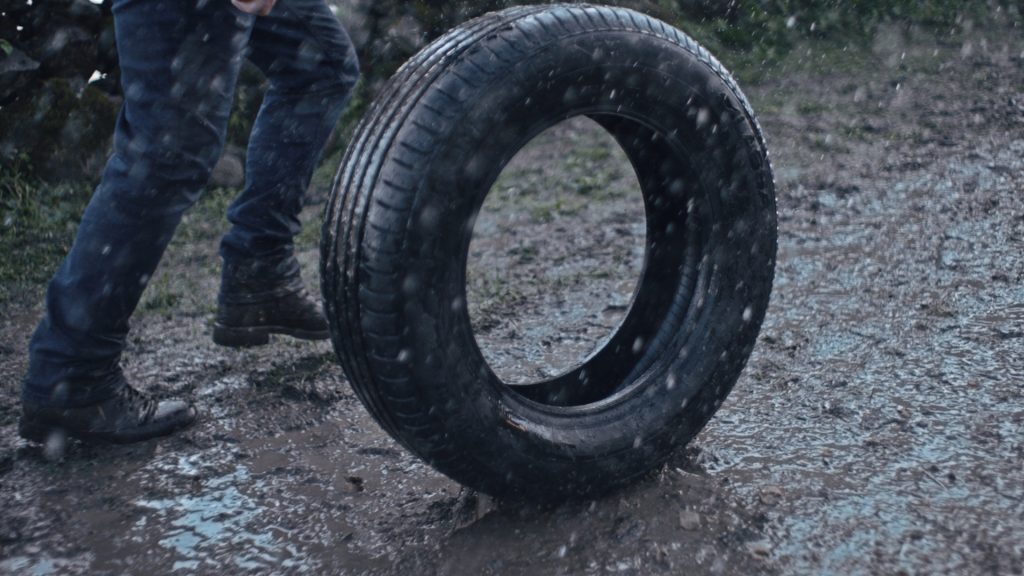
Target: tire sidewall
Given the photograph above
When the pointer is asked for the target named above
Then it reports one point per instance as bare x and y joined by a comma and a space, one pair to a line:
486, 123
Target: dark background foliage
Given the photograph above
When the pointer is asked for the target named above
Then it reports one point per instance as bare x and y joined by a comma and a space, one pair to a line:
59, 88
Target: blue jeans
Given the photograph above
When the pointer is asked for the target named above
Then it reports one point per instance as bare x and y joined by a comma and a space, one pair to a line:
179, 63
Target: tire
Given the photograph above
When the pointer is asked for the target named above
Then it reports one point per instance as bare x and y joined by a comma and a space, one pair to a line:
398, 227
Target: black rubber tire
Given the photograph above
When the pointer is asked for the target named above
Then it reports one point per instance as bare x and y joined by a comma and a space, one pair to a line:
400, 220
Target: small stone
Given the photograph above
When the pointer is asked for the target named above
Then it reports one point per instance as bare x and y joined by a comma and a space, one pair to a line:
770, 495
903, 412
759, 548
689, 520
354, 484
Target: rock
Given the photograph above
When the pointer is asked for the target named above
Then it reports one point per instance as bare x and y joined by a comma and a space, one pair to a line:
689, 520
64, 134
759, 549
771, 495
84, 9
354, 484
54, 123
17, 71
17, 61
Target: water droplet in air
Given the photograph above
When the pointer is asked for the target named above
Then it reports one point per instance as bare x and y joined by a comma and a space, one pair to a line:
638, 344
56, 444
703, 117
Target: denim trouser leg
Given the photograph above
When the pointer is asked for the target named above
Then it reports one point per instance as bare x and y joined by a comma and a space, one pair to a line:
179, 64
311, 67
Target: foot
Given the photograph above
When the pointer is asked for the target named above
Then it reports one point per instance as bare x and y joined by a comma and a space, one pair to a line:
129, 416
258, 299
251, 324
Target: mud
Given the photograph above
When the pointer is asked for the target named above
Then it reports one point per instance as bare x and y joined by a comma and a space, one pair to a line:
878, 427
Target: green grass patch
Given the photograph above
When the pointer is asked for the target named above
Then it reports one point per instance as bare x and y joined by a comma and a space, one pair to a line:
37, 225
754, 38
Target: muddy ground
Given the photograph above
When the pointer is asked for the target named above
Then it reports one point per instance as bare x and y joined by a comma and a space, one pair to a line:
878, 428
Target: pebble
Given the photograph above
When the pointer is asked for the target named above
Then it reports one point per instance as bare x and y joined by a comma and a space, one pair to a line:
770, 495
689, 520
759, 548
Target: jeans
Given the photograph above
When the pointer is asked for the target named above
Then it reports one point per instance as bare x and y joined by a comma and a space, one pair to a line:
179, 62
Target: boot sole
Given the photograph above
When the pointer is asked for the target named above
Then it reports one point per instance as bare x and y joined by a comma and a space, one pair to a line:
233, 337
42, 432
38, 432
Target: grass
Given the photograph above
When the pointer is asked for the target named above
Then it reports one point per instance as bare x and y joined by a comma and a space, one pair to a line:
756, 38
162, 296
586, 173
492, 294
207, 219
37, 225
38, 221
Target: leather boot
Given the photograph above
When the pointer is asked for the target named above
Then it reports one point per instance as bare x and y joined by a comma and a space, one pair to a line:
258, 299
128, 416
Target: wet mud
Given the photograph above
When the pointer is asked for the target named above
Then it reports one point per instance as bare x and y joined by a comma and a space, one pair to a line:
878, 427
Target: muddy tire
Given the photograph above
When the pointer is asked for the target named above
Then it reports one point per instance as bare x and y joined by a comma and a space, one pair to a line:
400, 220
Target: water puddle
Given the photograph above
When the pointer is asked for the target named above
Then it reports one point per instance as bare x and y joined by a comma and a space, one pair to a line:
212, 529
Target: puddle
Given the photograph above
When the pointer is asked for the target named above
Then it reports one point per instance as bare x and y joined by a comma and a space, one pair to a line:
220, 528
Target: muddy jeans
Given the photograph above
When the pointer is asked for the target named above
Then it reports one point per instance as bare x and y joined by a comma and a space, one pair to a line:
179, 63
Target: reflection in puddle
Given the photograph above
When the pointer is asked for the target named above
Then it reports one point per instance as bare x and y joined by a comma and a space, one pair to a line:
211, 528
41, 565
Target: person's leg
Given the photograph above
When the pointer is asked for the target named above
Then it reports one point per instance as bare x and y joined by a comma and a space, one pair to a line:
179, 62
311, 67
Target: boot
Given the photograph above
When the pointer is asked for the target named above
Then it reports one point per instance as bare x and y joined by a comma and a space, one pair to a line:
128, 416
258, 299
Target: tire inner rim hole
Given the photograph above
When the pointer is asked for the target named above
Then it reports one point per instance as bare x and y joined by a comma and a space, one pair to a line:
557, 251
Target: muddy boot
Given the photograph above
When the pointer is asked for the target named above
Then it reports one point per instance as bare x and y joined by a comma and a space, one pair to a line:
128, 416
263, 298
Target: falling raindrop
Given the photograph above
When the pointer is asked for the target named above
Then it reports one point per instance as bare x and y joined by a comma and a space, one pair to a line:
458, 304
703, 117
56, 445
638, 344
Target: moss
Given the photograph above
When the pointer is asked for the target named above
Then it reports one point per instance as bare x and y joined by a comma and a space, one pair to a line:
37, 120
62, 135
101, 111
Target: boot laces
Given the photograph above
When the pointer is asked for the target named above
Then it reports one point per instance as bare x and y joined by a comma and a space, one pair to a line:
139, 403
